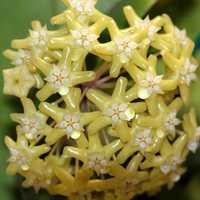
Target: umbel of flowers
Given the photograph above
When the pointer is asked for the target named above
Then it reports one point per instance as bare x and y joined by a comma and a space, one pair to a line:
110, 130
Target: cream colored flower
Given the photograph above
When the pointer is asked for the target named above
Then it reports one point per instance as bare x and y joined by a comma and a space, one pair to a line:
98, 163
18, 81
85, 131
171, 122
146, 24
174, 178
22, 154
84, 38
22, 57
59, 79
39, 176
152, 30
30, 126
150, 85
187, 73
84, 7
143, 24
194, 142
118, 112
143, 138
71, 124
37, 181
19, 159
39, 39
171, 164
125, 46
193, 145
181, 35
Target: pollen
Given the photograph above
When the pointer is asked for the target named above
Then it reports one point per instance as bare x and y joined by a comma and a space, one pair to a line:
59, 78
187, 74
39, 38
181, 36
119, 111
144, 138
84, 7
98, 163
30, 127
19, 159
171, 165
71, 125
84, 38
23, 57
171, 122
150, 85
125, 47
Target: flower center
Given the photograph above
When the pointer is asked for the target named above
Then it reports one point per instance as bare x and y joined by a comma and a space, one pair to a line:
120, 111
151, 84
84, 37
71, 124
98, 163
125, 47
18, 158
171, 121
30, 127
187, 74
143, 138
58, 77
23, 57
171, 165
85, 7
39, 38
181, 35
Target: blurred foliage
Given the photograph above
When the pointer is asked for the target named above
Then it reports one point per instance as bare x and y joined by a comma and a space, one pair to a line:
114, 8
15, 18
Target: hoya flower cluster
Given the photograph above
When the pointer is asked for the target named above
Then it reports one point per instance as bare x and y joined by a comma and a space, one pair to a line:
109, 130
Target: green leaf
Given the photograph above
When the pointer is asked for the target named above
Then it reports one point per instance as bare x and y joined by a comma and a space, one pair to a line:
15, 18
115, 8
107, 6
184, 13
190, 19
